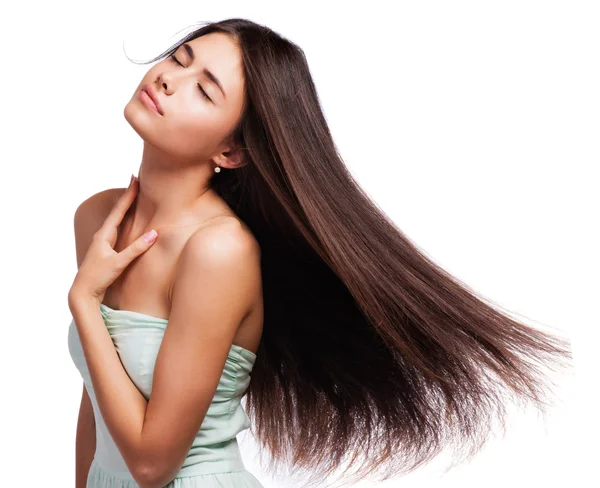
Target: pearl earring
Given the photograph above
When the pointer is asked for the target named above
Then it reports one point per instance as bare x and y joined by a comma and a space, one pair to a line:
217, 169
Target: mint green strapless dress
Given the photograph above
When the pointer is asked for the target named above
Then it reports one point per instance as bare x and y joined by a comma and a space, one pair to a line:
214, 459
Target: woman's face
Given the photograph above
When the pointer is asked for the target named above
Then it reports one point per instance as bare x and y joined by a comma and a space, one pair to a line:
193, 124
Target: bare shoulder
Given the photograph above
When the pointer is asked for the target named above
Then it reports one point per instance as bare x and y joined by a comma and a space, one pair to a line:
223, 240
226, 248
222, 236
90, 215
99, 203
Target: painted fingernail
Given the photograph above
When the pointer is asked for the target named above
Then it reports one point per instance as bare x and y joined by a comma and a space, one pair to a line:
150, 236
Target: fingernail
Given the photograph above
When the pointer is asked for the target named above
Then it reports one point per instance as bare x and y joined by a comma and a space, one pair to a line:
150, 236
131, 180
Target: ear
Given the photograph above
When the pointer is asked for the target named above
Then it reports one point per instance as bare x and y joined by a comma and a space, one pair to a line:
231, 159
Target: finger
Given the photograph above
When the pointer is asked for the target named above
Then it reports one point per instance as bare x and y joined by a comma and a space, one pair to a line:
116, 214
137, 247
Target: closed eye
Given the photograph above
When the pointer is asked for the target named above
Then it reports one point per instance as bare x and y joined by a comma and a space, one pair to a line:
172, 56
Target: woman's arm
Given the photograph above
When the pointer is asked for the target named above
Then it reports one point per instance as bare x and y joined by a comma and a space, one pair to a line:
85, 441
92, 214
213, 286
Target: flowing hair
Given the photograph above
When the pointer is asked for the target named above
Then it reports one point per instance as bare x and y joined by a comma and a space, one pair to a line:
370, 350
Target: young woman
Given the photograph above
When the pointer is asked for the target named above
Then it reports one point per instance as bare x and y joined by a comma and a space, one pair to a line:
271, 261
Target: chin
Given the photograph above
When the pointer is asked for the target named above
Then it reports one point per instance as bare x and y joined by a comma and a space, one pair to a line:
138, 120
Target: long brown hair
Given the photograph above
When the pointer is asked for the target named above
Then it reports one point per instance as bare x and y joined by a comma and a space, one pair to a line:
369, 348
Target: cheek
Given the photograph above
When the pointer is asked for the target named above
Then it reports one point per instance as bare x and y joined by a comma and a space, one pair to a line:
194, 135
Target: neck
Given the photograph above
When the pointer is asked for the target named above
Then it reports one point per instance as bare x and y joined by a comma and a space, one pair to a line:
170, 191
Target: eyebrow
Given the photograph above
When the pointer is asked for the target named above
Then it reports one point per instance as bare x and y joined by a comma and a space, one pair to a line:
210, 76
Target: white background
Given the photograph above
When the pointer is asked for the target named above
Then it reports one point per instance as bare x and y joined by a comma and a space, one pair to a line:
474, 125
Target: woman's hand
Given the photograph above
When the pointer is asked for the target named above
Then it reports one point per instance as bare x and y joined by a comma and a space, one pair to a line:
102, 265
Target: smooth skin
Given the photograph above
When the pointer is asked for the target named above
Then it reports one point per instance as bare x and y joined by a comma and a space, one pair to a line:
203, 270
85, 440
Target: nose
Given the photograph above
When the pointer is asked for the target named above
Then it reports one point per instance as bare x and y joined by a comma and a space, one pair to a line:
165, 82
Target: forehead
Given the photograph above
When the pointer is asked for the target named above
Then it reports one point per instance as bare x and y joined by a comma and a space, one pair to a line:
220, 54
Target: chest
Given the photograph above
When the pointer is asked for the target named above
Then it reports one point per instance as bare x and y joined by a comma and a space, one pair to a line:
145, 285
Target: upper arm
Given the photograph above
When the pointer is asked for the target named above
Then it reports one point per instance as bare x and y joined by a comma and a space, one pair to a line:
213, 289
86, 411
89, 217
85, 439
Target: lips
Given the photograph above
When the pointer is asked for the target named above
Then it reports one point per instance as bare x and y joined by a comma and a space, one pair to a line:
152, 94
